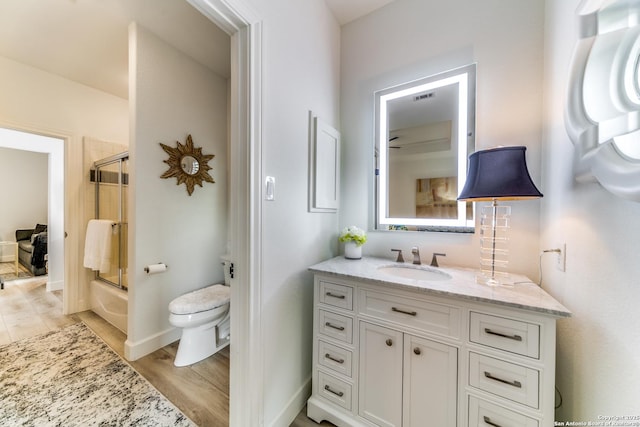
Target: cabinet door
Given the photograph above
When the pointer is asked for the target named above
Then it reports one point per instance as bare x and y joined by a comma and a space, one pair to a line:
380, 383
430, 383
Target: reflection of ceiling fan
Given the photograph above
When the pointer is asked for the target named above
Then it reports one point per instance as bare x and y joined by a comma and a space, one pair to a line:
421, 146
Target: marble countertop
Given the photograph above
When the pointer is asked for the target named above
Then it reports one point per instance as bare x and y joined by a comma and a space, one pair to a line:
526, 295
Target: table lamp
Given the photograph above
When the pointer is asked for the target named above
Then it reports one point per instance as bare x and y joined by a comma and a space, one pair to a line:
497, 174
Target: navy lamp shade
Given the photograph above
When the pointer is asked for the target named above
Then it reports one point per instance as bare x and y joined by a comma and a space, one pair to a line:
497, 174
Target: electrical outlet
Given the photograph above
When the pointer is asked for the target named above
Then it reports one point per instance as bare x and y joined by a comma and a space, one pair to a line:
561, 257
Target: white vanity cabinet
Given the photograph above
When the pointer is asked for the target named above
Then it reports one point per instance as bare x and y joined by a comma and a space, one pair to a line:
380, 380
406, 380
390, 353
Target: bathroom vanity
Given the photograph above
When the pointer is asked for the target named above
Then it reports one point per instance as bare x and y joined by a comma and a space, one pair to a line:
401, 345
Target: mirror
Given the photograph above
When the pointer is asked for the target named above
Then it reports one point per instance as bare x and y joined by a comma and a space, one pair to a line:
190, 165
187, 164
425, 131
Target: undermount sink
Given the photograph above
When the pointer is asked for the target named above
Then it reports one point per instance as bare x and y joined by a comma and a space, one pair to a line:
415, 272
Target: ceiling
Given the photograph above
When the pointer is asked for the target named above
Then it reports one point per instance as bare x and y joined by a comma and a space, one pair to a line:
87, 40
346, 11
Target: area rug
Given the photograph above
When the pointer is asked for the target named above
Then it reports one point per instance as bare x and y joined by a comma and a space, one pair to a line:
70, 377
8, 271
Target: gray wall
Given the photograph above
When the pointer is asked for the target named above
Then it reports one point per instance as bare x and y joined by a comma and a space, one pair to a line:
24, 175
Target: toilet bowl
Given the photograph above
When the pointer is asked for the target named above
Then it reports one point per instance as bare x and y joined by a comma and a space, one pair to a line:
204, 317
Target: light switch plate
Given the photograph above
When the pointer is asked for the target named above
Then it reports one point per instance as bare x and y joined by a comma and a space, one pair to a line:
270, 188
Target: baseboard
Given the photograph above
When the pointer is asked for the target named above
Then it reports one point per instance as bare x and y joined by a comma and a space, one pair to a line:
58, 285
136, 350
294, 406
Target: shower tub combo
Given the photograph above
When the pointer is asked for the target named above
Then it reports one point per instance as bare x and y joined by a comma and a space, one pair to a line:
108, 290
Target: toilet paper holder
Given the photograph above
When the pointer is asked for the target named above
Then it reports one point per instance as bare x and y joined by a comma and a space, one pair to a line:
156, 268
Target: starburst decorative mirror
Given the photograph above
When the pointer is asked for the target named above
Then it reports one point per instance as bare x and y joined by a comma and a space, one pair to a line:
187, 164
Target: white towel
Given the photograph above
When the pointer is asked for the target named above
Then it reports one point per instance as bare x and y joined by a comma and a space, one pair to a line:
97, 245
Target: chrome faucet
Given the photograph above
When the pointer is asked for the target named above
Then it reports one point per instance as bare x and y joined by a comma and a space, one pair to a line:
416, 255
434, 259
400, 258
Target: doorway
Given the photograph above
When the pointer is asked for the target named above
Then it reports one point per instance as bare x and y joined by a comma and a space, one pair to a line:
53, 146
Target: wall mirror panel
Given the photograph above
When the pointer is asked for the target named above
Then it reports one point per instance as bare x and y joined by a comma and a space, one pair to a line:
425, 131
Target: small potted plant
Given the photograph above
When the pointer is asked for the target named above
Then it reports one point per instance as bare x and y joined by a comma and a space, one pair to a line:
353, 239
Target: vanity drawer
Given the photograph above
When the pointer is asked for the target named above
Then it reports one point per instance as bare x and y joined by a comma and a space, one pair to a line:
336, 326
485, 414
334, 390
335, 358
505, 379
336, 295
510, 335
427, 316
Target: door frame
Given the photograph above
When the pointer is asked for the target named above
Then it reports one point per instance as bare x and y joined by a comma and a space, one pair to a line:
55, 145
246, 370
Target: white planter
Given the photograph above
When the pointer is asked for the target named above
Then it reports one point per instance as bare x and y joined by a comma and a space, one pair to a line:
352, 250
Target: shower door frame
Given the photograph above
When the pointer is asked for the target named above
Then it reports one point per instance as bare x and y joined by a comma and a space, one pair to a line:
119, 158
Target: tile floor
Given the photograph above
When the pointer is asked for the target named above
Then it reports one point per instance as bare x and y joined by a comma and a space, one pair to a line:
27, 309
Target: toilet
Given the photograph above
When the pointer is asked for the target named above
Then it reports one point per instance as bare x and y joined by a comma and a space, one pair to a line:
204, 316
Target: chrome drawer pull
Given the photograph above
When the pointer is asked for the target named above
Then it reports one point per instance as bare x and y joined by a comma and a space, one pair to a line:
410, 313
487, 421
511, 337
328, 356
329, 294
330, 325
337, 393
513, 383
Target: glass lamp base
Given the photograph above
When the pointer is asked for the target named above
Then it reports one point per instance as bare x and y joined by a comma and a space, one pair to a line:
494, 248
502, 279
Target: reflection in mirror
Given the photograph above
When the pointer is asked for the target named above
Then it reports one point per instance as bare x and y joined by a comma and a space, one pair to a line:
424, 134
189, 165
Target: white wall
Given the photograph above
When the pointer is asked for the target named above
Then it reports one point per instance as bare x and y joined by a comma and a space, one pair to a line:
301, 72
171, 97
40, 102
598, 368
410, 39
24, 175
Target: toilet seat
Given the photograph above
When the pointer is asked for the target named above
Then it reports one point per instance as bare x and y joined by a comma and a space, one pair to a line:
201, 300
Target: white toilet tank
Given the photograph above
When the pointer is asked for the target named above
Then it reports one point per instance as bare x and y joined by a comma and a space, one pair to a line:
226, 261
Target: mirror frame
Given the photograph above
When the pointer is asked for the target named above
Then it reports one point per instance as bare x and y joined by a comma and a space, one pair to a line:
176, 170
465, 77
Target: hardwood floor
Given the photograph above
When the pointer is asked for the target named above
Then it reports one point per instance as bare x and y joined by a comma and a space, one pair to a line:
302, 421
200, 391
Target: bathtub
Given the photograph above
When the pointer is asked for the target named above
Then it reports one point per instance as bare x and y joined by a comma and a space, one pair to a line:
110, 303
